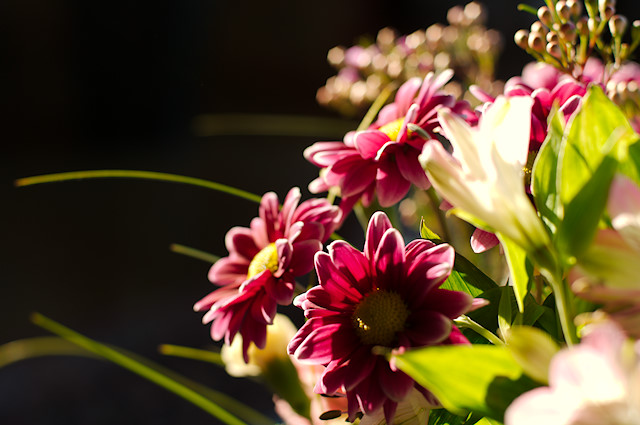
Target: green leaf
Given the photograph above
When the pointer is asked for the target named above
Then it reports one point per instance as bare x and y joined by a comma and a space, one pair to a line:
205, 398
505, 315
30, 348
520, 268
544, 182
598, 128
584, 211
444, 417
479, 378
136, 174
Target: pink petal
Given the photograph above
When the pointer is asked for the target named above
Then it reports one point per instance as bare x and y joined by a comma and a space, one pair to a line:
395, 385
302, 260
450, 303
428, 328
369, 142
240, 240
389, 260
410, 168
352, 264
391, 186
326, 343
378, 225
481, 241
347, 372
228, 271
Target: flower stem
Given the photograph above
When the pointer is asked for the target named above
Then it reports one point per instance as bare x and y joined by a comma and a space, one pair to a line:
193, 253
376, 106
466, 322
563, 307
191, 353
136, 174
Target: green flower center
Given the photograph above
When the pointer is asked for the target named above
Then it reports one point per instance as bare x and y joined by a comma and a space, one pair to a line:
266, 259
379, 317
392, 129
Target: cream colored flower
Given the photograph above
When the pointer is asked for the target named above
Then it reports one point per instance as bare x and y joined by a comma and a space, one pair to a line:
484, 178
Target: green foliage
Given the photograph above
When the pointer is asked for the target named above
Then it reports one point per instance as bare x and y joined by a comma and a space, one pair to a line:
520, 267
483, 379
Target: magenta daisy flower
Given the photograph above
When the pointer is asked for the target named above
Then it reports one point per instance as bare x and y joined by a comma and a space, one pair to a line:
382, 161
387, 296
262, 265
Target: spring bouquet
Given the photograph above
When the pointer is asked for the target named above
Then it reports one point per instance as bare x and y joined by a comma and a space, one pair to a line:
498, 279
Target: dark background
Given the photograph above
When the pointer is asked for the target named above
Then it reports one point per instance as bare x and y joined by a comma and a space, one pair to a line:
93, 84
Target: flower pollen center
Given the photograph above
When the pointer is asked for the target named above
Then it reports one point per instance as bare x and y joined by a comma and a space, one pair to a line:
379, 317
392, 129
266, 259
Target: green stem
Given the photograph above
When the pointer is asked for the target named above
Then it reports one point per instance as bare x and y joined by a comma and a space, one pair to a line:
193, 253
137, 367
563, 308
376, 106
440, 215
191, 353
466, 322
361, 215
136, 174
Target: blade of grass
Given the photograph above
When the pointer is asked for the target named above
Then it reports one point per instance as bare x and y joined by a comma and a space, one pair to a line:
191, 353
376, 106
30, 348
137, 174
196, 394
193, 253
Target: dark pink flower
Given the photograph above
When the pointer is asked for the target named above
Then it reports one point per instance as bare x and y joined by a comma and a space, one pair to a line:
262, 265
385, 298
382, 161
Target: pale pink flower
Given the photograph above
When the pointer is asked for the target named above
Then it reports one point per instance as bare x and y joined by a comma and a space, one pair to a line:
386, 297
262, 265
594, 383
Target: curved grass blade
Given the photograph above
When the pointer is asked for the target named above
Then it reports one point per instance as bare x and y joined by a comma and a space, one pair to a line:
30, 348
207, 399
137, 174
193, 253
191, 353
376, 106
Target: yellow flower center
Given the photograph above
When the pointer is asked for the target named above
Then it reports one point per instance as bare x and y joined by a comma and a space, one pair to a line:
392, 129
266, 259
379, 317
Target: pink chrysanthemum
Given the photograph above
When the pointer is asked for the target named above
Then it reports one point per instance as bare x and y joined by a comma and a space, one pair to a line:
387, 296
382, 161
262, 265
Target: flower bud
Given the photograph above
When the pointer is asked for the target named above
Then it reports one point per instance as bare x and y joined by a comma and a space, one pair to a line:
608, 13
593, 24
568, 32
335, 56
474, 13
575, 7
582, 26
455, 15
554, 50
552, 37
521, 38
536, 42
564, 11
618, 25
545, 16
538, 28
603, 5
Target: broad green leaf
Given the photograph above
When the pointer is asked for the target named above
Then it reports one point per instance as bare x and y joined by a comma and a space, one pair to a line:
544, 182
479, 378
520, 268
630, 165
598, 128
465, 277
533, 350
205, 398
584, 211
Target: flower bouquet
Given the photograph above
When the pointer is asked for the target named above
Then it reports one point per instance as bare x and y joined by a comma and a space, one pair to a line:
497, 282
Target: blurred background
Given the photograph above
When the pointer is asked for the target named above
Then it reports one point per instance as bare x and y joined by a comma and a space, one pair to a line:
97, 85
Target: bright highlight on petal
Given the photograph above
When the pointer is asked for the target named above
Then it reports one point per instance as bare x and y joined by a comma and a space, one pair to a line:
483, 179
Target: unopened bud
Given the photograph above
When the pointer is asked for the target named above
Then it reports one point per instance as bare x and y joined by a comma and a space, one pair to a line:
521, 38
593, 24
564, 11
474, 13
554, 50
536, 42
545, 15
618, 25
552, 37
608, 13
575, 7
455, 15
603, 5
582, 26
568, 32
538, 28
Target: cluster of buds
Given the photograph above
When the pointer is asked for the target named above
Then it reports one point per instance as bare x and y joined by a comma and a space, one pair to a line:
565, 37
364, 70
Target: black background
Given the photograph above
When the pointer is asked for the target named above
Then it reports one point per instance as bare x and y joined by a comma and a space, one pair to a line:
95, 84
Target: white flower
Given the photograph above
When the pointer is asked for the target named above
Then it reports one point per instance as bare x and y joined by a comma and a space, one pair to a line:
484, 179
